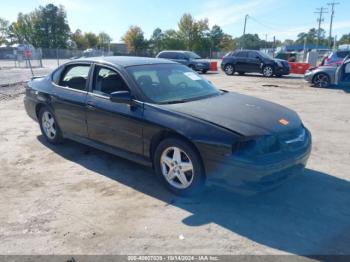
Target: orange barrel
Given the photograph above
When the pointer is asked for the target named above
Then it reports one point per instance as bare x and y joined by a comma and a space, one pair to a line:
299, 68
213, 66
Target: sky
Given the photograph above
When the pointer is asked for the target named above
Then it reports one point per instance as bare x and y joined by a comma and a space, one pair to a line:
281, 18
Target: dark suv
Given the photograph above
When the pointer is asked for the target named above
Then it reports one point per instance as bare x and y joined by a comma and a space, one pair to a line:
187, 58
250, 61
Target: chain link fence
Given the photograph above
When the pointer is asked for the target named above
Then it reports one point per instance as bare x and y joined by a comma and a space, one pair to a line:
26, 56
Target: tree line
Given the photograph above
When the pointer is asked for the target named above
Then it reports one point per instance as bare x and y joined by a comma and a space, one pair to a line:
48, 27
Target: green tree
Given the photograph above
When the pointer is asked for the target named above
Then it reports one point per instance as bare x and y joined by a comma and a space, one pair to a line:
249, 41
172, 41
156, 41
92, 39
227, 43
135, 40
4, 31
344, 40
216, 36
22, 30
51, 29
45, 27
311, 37
191, 31
104, 40
79, 39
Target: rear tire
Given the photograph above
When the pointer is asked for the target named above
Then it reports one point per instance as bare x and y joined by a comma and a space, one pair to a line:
229, 69
179, 166
49, 126
321, 80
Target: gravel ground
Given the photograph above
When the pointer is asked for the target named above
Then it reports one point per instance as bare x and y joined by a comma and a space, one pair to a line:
72, 199
10, 75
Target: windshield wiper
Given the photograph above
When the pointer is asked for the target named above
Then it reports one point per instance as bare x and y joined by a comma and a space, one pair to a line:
177, 101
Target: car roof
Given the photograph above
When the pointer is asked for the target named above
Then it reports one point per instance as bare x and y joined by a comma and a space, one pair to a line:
125, 61
176, 51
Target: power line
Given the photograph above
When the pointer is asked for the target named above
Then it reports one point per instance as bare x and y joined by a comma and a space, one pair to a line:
332, 4
321, 11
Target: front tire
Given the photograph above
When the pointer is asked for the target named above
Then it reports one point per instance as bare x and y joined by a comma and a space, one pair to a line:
49, 127
204, 71
179, 166
321, 80
268, 71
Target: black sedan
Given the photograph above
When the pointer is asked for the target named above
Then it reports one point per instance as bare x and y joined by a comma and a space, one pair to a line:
160, 113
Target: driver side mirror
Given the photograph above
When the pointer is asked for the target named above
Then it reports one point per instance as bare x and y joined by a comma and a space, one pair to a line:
122, 97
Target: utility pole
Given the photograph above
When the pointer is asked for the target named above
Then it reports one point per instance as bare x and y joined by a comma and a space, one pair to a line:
321, 11
331, 23
244, 28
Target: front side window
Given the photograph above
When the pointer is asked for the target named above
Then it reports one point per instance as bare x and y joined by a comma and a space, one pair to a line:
75, 77
107, 81
171, 83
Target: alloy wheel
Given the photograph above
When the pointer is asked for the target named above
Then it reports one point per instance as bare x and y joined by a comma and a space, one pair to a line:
48, 124
268, 71
321, 80
229, 69
177, 167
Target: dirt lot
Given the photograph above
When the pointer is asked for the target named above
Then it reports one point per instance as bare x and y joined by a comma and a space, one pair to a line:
71, 199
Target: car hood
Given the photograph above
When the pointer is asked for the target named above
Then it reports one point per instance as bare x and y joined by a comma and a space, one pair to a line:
239, 113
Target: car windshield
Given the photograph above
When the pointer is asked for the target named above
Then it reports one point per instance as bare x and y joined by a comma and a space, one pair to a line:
262, 54
171, 83
192, 55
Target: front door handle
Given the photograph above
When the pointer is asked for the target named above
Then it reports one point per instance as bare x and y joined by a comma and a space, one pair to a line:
90, 105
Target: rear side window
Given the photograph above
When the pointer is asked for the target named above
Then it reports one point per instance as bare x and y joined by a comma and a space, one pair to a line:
241, 54
75, 77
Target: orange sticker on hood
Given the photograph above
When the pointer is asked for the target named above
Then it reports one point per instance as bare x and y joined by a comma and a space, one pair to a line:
283, 122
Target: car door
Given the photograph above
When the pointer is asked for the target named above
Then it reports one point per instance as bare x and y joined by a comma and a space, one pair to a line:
69, 98
241, 61
114, 124
254, 62
343, 74
181, 58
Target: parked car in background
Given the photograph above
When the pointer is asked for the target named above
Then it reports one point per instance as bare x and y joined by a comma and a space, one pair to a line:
187, 58
325, 76
162, 114
288, 56
336, 57
251, 61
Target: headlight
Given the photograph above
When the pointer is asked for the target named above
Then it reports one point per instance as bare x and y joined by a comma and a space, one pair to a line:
258, 146
279, 63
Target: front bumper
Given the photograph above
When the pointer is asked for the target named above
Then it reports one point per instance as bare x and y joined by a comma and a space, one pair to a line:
249, 176
308, 76
284, 70
202, 66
